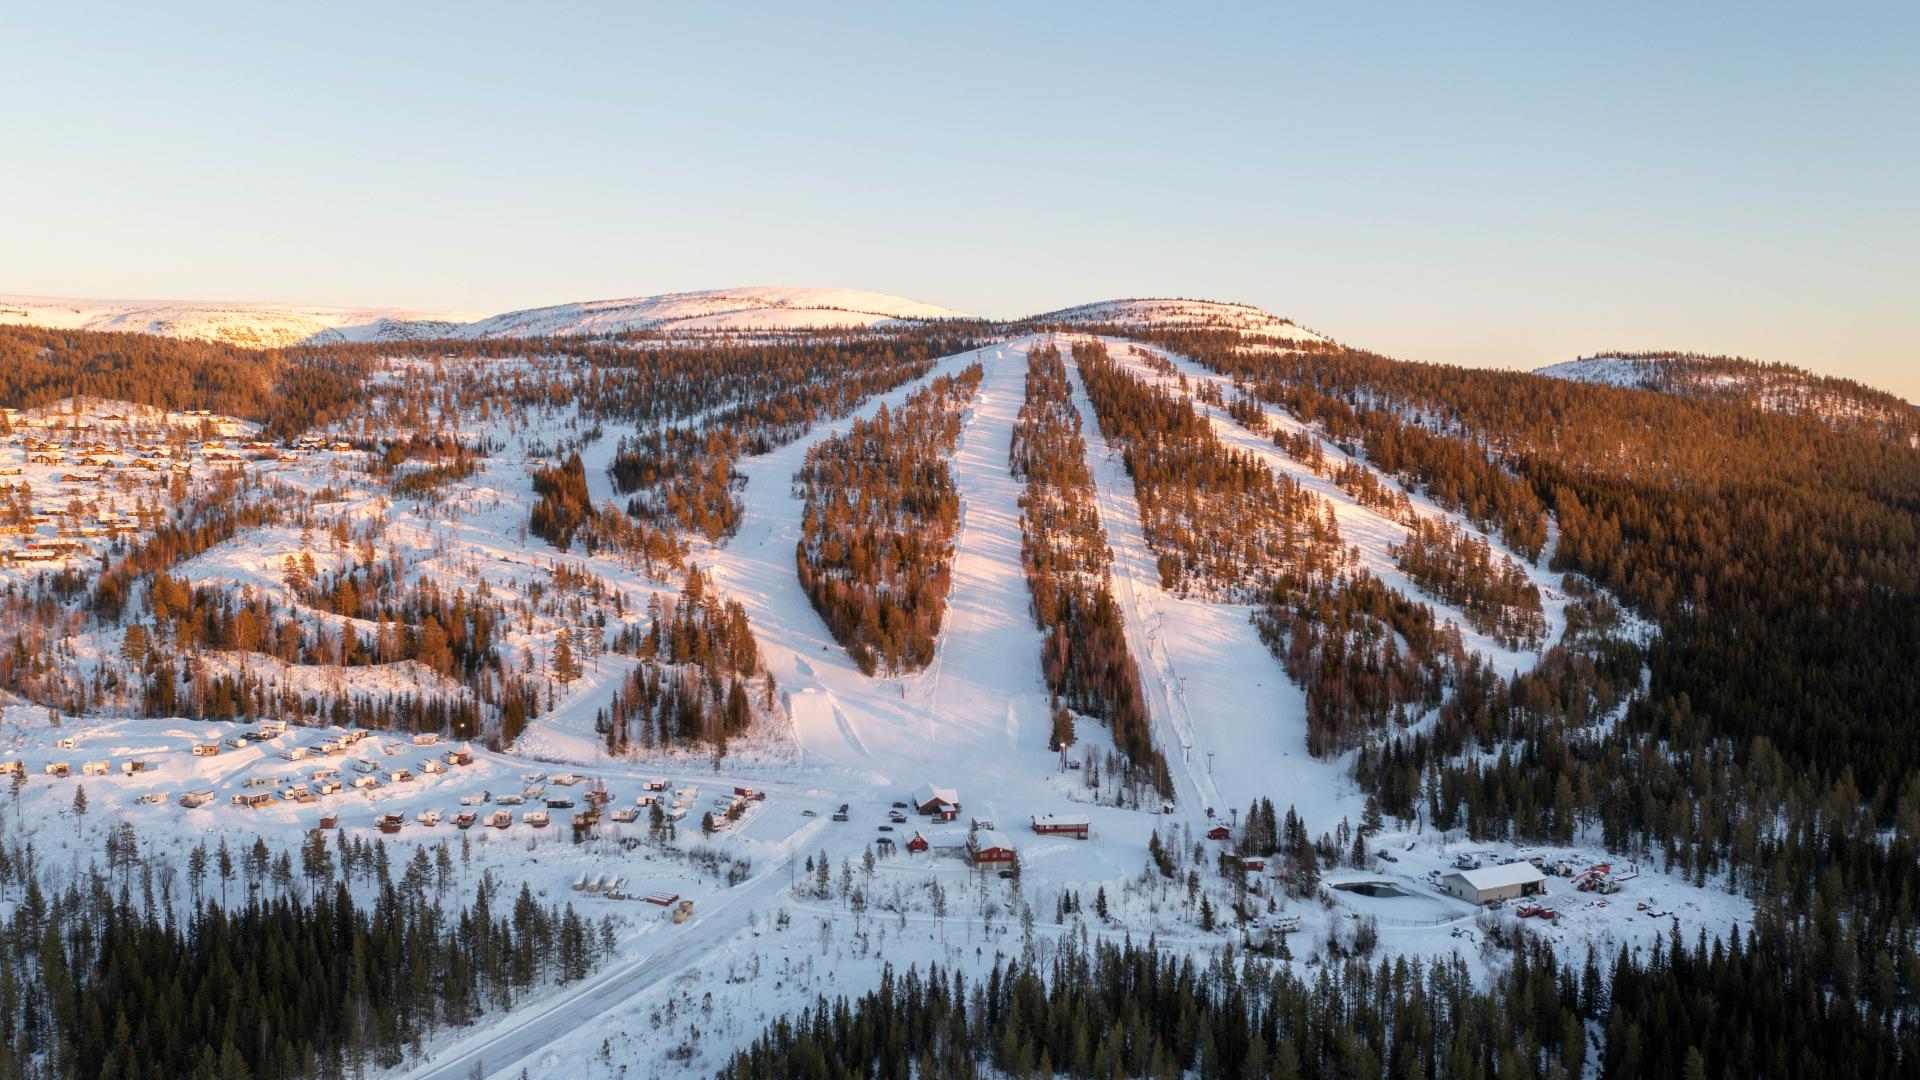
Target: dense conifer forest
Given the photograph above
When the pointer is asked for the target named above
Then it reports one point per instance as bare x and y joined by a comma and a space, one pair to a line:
696, 659
876, 544
290, 977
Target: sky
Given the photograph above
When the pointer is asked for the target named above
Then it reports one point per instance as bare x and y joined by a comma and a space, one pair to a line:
1495, 184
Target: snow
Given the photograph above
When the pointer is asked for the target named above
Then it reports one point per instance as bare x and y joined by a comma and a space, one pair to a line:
1362, 527
268, 325
1501, 876
1229, 721
1602, 370
744, 309
1209, 314
250, 324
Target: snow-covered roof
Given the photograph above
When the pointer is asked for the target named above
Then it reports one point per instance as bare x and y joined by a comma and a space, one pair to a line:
1041, 821
1502, 876
927, 793
983, 839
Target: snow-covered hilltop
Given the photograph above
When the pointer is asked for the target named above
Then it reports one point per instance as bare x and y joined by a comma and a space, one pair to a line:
726, 311
265, 325
750, 309
251, 325
1212, 314
1773, 387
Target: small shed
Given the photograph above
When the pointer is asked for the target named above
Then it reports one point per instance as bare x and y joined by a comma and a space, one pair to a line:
917, 844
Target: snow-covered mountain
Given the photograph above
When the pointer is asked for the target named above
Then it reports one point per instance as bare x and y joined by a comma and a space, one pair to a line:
252, 325
265, 325
754, 308
1213, 314
1774, 387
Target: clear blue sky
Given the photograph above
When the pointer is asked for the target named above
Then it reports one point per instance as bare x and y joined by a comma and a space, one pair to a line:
1482, 184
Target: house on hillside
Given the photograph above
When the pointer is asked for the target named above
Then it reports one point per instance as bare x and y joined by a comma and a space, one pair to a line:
941, 803
1074, 825
1487, 884
917, 844
989, 846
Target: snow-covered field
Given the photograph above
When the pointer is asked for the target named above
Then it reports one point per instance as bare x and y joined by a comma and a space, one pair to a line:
679, 997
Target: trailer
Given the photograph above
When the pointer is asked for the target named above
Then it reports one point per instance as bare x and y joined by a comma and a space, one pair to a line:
93, 768
206, 749
196, 798
465, 819
536, 818
428, 817
390, 823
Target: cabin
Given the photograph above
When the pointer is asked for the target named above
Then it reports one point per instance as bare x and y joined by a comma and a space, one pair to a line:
940, 803
390, 823
988, 846
330, 821
15, 767
465, 819
428, 817
459, 757
1074, 825
426, 738
626, 814
918, 843
294, 753
501, 819
365, 782
400, 776
196, 798
536, 818
59, 769
656, 785
253, 801
1485, 885
206, 749
297, 793
93, 768
1219, 832
137, 765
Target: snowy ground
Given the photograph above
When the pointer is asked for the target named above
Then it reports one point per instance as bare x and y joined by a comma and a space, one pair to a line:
678, 998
